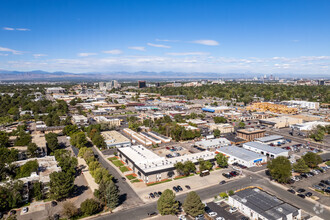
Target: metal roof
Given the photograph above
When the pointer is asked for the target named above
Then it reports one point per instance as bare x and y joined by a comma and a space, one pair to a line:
265, 147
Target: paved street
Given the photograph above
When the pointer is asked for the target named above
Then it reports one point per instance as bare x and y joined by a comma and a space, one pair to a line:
206, 193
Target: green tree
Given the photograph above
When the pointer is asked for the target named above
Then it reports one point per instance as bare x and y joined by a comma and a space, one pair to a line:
67, 163
231, 192
52, 141
37, 191
167, 204
204, 165
193, 205
23, 139
70, 129
32, 150
26, 169
223, 195
222, 160
179, 168
112, 195
312, 159
218, 120
78, 139
300, 166
280, 169
4, 139
216, 133
90, 207
189, 167
61, 185
241, 125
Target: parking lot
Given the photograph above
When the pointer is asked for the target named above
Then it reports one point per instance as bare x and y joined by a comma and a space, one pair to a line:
222, 210
311, 182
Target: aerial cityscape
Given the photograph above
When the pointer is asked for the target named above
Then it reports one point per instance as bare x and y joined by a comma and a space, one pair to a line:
161, 110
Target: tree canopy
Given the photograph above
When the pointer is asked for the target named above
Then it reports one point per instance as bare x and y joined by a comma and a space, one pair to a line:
193, 205
280, 169
167, 204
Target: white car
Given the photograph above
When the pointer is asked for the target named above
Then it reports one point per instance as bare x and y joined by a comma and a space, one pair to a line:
212, 214
233, 209
220, 218
25, 209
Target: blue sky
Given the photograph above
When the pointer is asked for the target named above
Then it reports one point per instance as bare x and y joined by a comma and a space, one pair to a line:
174, 35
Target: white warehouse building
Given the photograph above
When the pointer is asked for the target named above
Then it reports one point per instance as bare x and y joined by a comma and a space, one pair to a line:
264, 149
242, 156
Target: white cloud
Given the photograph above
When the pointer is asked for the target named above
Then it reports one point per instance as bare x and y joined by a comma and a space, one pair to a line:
165, 40
3, 49
37, 55
15, 29
8, 29
158, 45
86, 54
137, 48
206, 42
22, 29
3, 54
114, 52
188, 54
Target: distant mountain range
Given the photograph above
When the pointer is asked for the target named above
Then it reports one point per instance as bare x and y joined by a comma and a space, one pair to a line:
37, 75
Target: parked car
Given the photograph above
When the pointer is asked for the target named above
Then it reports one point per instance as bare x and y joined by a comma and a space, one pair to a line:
151, 195
53, 203
291, 191
187, 187
212, 214
222, 182
175, 189
159, 193
219, 218
321, 184
152, 214
317, 187
232, 209
301, 190
156, 194
308, 194
179, 188
25, 209
301, 195
56, 216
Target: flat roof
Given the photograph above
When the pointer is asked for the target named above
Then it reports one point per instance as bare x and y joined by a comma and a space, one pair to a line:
148, 161
265, 147
250, 131
212, 142
114, 137
269, 138
240, 153
265, 204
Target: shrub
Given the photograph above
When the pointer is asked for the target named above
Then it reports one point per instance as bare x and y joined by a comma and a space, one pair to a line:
223, 195
90, 207
231, 192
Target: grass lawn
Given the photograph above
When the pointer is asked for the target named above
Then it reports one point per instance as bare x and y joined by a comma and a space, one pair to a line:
130, 177
112, 158
123, 169
117, 163
156, 183
135, 181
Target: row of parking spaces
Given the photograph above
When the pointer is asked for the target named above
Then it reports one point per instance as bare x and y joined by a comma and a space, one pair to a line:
323, 169
223, 211
176, 189
231, 174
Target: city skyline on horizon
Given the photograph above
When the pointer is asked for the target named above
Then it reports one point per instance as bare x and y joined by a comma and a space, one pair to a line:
187, 36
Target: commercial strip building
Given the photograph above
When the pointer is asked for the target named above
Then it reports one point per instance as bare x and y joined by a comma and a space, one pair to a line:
242, 156
223, 128
112, 122
250, 134
115, 139
217, 109
302, 104
258, 204
150, 167
280, 122
79, 120
308, 126
264, 149
213, 143
271, 139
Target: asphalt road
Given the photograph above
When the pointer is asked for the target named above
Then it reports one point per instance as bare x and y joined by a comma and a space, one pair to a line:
128, 196
209, 192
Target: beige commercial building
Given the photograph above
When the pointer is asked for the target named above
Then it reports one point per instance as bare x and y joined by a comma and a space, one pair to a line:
250, 134
281, 122
223, 128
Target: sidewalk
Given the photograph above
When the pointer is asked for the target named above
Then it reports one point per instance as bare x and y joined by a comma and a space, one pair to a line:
90, 180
